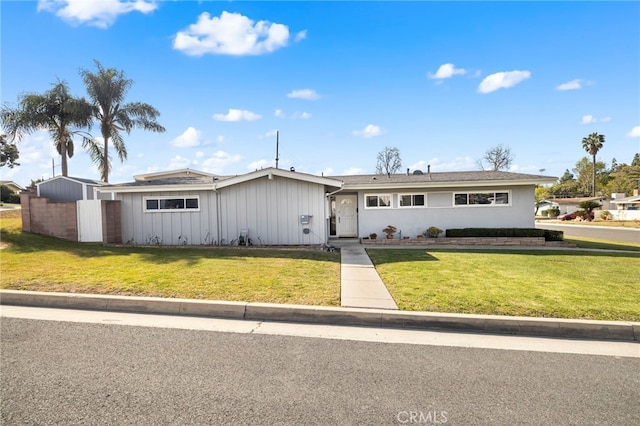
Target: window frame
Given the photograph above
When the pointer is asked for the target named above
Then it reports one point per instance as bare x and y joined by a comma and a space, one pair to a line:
367, 206
159, 199
494, 194
412, 195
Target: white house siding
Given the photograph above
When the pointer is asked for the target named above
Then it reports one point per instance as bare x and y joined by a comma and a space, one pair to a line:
199, 227
270, 210
441, 213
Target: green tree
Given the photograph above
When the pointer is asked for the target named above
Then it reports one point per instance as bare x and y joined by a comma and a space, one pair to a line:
8, 153
389, 161
589, 207
8, 196
583, 171
592, 144
55, 111
107, 88
636, 160
541, 194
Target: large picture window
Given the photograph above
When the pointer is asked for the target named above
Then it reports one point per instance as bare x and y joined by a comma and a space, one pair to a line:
481, 198
171, 204
377, 201
411, 200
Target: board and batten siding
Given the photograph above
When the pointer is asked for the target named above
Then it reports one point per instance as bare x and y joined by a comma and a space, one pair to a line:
61, 190
441, 212
270, 210
198, 227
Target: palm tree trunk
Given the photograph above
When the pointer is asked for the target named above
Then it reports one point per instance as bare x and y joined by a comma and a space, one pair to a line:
594, 175
63, 153
105, 158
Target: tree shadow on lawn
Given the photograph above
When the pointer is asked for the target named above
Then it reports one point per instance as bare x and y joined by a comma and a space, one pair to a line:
28, 243
380, 256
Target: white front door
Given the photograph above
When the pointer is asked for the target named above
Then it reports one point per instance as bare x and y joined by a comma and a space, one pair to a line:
346, 215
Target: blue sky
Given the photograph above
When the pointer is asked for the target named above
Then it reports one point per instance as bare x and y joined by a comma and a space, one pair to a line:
442, 82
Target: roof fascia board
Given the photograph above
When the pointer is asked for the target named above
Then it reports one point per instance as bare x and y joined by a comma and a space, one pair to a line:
159, 188
281, 173
466, 184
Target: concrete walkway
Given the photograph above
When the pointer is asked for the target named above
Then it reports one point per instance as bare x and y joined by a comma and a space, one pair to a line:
360, 284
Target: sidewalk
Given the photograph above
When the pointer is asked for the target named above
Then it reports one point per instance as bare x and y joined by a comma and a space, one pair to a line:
360, 284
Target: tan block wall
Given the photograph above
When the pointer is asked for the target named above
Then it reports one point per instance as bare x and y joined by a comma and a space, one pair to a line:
57, 219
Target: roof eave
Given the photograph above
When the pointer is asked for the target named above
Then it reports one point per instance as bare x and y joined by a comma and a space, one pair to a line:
440, 184
158, 188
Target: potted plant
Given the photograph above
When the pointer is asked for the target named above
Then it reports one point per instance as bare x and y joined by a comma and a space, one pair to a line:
390, 230
373, 235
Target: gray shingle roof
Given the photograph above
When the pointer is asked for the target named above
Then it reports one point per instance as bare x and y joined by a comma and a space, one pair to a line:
444, 177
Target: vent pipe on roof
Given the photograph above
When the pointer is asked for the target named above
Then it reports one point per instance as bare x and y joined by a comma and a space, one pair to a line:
407, 171
429, 170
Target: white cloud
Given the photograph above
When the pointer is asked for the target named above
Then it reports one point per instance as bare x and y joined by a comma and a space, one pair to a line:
308, 94
278, 113
231, 34
189, 138
446, 71
457, 164
370, 131
218, 161
101, 14
502, 80
301, 35
353, 171
268, 135
589, 119
634, 133
178, 162
301, 115
570, 85
220, 139
258, 164
237, 115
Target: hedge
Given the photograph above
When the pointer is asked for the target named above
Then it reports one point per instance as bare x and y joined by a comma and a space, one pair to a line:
505, 232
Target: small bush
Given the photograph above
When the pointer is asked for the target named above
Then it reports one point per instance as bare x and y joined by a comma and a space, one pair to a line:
544, 213
606, 215
432, 232
554, 211
553, 235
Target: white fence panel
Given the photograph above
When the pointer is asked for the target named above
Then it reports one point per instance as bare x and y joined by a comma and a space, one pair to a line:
89, 221
625, 214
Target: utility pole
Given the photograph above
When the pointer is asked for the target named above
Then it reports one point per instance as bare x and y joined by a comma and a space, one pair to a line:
277, 147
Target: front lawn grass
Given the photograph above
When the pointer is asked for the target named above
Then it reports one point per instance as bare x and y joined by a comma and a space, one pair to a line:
40, 263
555, 284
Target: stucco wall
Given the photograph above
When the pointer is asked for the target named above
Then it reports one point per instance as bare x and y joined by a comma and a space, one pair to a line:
57, 219
440, 212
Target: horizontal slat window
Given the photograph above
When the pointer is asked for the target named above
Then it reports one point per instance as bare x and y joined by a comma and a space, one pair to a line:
377, 201
171, 204
411, 200
482, 198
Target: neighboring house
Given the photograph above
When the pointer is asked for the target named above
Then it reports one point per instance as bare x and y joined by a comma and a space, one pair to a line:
628, 203
280, 207
66, 188
569, 205
12, 186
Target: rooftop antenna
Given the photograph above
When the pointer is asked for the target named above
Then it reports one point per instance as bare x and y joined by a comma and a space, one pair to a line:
277, 147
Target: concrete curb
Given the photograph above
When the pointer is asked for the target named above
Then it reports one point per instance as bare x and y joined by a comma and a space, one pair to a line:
494, 324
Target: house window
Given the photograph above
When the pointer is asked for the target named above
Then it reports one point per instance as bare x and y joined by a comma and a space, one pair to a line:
377, 201
171, 204
481, 198
411, 200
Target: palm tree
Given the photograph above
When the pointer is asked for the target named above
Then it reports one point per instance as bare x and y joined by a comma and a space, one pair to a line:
55, 111
592, 145
107, 89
